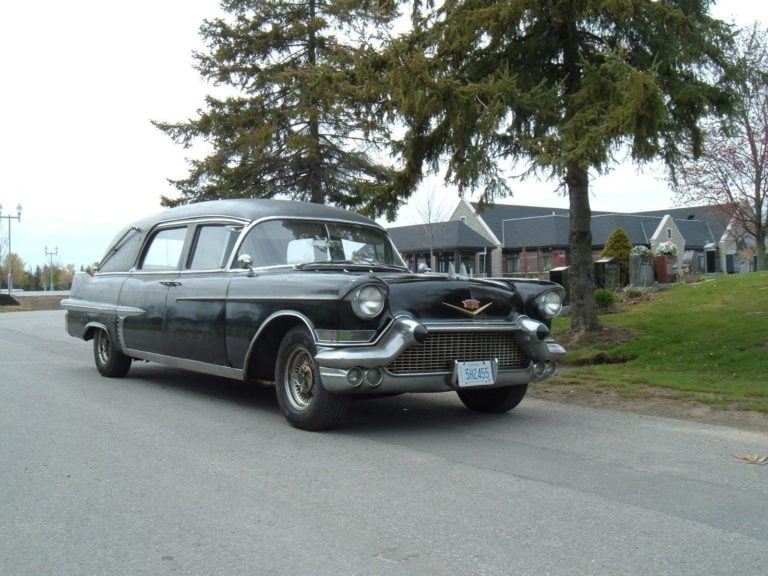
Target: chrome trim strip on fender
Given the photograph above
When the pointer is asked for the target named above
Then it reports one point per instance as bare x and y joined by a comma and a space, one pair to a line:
100, 308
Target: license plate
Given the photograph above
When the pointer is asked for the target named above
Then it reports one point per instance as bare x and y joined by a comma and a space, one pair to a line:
477, 373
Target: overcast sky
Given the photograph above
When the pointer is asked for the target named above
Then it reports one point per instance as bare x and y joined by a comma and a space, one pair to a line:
81, 81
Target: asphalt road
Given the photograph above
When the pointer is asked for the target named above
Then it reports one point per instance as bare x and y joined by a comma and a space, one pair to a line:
166, 472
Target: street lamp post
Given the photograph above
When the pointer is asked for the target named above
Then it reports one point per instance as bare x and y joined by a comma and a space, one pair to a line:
50, 267
10, 264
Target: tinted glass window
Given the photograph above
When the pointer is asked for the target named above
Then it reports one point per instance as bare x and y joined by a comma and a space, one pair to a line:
268, 243
122, 252
362, 244
164, 251
213, 246
281, 242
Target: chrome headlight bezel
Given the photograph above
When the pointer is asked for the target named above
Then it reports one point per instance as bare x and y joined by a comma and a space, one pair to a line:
368, 301
549, 304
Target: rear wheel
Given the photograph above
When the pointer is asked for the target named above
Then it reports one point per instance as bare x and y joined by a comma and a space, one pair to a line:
109, 361
300, 394
493, 400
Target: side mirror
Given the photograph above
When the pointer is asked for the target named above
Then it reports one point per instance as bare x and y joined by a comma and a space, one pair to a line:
423, 268
245, 261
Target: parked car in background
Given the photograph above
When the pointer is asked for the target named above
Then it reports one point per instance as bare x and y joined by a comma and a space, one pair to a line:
314, 299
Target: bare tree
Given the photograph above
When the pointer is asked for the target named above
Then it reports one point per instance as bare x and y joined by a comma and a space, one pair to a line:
432, 211
732, 172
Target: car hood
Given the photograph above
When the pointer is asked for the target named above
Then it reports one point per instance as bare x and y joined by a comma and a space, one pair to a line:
446, 298
427, 297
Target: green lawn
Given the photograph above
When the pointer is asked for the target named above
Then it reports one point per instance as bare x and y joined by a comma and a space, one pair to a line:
705, 341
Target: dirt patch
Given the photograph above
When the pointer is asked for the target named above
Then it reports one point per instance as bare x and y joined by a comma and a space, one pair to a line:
606, 337
52, 302
651, 402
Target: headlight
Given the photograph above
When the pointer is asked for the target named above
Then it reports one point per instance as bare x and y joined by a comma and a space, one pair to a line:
368, 301
549, 304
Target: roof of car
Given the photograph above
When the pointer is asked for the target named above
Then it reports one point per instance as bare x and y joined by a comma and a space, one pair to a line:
254, 209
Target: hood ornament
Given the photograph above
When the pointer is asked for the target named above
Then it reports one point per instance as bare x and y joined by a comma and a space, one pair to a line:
471, 307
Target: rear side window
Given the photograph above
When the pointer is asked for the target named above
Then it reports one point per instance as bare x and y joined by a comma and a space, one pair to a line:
122, 253
164, 250
213, 245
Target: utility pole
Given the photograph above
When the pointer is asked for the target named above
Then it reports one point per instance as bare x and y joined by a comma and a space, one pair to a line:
50, 267
10, 264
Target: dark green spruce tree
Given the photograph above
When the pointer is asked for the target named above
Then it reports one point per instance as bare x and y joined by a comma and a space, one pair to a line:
295, 122
560, 86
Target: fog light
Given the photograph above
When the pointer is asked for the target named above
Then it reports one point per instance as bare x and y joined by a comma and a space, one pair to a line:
373, 377
355, 377
539, 369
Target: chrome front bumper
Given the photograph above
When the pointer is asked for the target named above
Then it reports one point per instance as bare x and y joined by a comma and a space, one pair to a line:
362, 369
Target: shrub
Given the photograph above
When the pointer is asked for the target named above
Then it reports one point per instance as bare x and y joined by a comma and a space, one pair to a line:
633, 292
618, 245
604, 298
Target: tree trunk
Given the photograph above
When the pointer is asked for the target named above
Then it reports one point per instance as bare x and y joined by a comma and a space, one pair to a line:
582, 270
762, 262
317, 195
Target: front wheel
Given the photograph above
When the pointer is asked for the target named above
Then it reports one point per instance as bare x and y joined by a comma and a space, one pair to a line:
493, 400
300, 394
109, 361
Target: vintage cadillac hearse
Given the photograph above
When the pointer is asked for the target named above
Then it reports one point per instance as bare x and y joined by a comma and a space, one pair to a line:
315, 299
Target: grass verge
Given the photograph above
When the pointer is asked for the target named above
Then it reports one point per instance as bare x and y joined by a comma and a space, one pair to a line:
706, 342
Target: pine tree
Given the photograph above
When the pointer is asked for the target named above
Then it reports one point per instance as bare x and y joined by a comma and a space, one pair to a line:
559, 85
297, 121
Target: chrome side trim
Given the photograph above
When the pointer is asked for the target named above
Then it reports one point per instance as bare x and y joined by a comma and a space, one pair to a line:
100, 308
184, 364
245, 299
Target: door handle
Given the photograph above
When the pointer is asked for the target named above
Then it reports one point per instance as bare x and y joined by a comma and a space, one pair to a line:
170, 284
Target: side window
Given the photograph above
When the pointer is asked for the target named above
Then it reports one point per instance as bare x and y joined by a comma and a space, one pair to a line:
213, 246
361, 244
164, 251
122, 254
275, 242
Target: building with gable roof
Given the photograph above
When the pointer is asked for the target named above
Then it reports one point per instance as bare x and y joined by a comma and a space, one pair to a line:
510, 240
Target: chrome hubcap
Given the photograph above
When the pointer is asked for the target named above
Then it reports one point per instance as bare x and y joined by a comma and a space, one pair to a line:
300, 379
104, 348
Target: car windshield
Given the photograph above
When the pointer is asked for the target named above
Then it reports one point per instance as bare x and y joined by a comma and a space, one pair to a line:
302, 242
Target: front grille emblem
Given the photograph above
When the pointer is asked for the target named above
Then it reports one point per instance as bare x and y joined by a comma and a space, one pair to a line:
471, 307
471, 304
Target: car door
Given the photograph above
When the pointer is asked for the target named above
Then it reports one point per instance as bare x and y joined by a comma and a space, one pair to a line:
146, 288
195, 327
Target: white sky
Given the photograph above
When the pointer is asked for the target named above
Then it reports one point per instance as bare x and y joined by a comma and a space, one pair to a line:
81, 81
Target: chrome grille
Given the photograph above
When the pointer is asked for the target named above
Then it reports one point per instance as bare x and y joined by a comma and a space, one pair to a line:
440, 349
